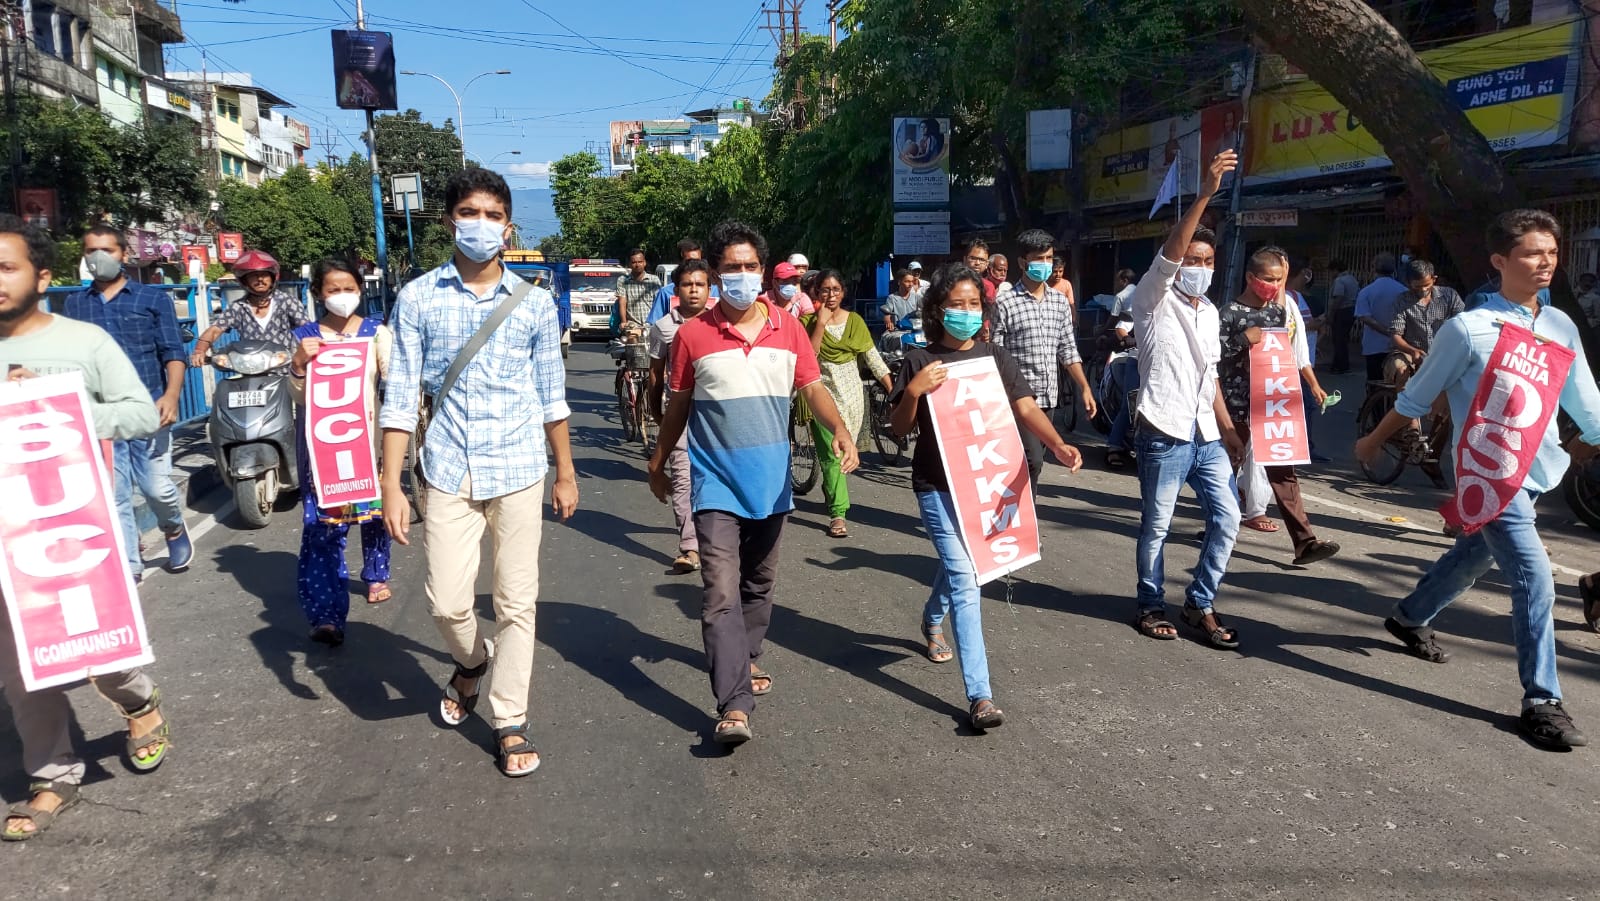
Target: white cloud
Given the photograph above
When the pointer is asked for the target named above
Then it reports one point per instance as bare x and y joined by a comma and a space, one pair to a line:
529, 170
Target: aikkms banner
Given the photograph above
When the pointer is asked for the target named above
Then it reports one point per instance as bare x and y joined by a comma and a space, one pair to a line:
73, 608
1517, 395
986, 468
340, 410
1277, 408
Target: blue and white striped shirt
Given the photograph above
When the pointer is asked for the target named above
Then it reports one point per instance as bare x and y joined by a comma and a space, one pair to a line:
491, 427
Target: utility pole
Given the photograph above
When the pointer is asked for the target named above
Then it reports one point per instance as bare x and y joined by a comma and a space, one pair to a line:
833, 24
15, 162
1235, 230
377, 186
329, 141
783, 23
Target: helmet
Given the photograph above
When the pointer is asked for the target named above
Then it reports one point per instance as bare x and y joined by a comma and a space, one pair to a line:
255, 261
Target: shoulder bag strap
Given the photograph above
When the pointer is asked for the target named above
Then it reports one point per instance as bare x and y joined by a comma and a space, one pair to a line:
479, 339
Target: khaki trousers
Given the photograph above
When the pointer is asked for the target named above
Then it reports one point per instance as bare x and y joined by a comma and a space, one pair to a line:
455, 525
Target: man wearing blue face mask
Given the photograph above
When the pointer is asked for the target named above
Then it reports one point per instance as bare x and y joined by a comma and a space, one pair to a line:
1034, 323
490, 439
1183, 431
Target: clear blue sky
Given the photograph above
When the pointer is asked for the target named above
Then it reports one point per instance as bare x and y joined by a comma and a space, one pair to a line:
563, 91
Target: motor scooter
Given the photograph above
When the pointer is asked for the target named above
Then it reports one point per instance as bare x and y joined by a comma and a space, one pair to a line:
252, 427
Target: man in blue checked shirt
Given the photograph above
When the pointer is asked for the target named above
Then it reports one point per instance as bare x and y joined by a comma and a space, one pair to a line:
142, 321
486, 452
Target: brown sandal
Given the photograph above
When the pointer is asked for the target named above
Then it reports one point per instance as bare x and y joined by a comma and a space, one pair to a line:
837, 529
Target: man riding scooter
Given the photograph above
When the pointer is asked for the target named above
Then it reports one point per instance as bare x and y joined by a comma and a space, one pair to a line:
252, 425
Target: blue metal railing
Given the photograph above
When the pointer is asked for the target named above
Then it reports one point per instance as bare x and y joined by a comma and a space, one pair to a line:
193, 403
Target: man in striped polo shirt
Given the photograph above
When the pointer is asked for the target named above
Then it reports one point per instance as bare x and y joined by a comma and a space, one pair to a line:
733, 371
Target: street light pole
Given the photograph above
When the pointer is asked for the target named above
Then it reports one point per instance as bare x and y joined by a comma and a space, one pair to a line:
380, 241
461, 127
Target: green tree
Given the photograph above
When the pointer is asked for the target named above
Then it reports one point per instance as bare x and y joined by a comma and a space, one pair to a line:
296, 218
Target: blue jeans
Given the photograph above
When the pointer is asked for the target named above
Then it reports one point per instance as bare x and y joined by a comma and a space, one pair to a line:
955, 591
1124, 378
1165, 465
1512, 541
146, 464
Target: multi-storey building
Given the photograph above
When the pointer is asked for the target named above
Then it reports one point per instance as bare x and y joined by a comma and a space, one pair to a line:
244, 134
691, 137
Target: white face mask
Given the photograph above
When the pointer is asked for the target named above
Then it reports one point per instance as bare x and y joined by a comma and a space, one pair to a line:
1193, 281
740, 289
342, 304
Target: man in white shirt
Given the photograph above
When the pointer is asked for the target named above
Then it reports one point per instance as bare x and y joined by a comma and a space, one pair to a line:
1184, 433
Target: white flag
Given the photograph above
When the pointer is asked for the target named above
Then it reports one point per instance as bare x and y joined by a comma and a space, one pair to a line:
1169, 186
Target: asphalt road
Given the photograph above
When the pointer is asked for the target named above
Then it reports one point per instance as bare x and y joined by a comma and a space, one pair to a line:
1318, 762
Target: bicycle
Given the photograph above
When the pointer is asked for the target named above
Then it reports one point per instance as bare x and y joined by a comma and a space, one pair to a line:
893, 448
1407, 446
804, 470
633, 367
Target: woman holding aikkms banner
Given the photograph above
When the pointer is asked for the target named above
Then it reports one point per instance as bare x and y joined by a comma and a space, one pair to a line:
324, 594
952, 315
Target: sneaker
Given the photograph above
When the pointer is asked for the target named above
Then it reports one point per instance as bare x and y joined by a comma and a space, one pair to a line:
1549, 726
180, 550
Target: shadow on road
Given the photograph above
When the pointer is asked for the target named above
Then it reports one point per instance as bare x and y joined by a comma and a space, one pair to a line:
359, 674
607, 646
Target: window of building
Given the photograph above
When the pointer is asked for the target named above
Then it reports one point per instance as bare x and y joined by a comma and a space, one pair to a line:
228, 109
44, 28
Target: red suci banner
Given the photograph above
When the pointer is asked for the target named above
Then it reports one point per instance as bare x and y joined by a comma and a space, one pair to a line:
1277, 408
63, 567
1517, 395
339, 423
986, 468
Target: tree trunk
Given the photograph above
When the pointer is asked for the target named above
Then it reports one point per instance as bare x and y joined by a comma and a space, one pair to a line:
1447, 164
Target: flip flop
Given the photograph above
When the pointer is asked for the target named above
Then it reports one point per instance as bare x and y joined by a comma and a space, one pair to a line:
1260, 524
378, 592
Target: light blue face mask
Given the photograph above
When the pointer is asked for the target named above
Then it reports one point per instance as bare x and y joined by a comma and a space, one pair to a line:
479, 240
962, 324
788, 292
740, 289
1040, 270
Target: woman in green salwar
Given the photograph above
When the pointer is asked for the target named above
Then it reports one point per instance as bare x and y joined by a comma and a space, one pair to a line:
841, 340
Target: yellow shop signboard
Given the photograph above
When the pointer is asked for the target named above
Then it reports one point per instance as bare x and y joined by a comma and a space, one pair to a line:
1516, 86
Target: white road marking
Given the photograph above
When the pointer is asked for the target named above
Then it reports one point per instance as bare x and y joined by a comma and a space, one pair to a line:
197, 531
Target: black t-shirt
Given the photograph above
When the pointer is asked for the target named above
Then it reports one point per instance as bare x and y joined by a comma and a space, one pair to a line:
927, 464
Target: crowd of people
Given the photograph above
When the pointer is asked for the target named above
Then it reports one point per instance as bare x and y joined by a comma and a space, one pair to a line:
474, 389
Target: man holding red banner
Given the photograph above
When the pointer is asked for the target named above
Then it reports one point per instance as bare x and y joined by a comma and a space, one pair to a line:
1504, 366
1263, 305
35, 343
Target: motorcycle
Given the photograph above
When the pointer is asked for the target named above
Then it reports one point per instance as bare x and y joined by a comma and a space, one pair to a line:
1581, 485
252, 428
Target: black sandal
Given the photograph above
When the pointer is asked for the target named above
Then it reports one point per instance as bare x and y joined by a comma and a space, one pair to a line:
1591, 602
985, 715
504, 754
1149, 623
1419, 641
465, 704
1220, 637
41, 819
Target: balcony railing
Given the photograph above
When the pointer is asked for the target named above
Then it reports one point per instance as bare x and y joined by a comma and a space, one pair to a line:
159, 19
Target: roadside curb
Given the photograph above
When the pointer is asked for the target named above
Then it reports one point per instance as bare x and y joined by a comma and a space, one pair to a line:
192, 471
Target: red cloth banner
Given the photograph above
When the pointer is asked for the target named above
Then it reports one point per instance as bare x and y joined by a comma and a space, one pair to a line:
1517, 396
339, 423
63, 568
986, 467
1277, 408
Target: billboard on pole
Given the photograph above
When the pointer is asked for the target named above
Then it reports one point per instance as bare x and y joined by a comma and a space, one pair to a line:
364, 70
1049, 139
921, 146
